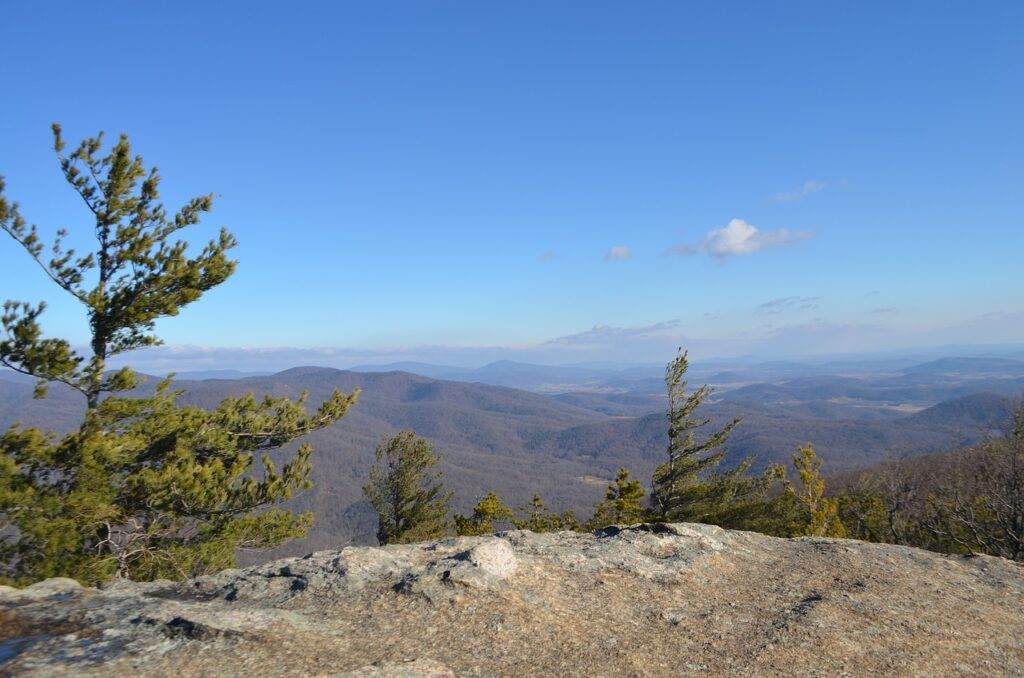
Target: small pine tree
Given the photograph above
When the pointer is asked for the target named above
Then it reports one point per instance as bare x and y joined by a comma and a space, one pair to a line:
144, 488
816, 515
488, 511
622, 504
406, 491
539, 518
688, 486
866, 516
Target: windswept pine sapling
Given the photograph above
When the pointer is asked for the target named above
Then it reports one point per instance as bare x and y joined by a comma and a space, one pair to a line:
688, 486
681, 489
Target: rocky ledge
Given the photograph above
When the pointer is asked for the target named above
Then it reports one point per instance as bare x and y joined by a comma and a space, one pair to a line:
645, 600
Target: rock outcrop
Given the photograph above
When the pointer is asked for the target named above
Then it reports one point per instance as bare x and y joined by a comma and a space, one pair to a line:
646, 600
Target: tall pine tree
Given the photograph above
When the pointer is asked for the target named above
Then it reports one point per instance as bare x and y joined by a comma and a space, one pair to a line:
145, 488
689, 487
406, 491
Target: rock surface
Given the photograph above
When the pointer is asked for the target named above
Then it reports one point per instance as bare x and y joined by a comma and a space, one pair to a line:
646, 600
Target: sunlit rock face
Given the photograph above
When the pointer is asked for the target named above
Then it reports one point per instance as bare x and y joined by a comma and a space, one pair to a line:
644, 600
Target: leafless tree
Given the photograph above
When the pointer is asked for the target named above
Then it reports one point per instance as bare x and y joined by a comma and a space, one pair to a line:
979, 506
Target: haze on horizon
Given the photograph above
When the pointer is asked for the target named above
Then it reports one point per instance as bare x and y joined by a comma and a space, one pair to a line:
458, 183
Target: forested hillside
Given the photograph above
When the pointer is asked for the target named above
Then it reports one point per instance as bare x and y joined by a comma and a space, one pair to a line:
566, 447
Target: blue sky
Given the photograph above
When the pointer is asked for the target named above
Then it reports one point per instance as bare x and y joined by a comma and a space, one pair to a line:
457, 181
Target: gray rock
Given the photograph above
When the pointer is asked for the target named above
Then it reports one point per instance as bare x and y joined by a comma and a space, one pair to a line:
494, 558
48, 588
653, 599
418, 668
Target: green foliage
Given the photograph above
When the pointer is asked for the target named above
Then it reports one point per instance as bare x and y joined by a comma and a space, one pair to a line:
135, 276
535, 516
803, 506
150, 489
145, 488
622, 504
865, 515
406, 491
539, 518
689, 487
488, 511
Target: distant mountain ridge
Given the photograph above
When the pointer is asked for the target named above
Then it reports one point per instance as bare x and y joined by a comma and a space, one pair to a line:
531, 377
973, 366
888, 380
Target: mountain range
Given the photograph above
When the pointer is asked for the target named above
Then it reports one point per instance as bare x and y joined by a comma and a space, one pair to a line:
567, 446
539, 378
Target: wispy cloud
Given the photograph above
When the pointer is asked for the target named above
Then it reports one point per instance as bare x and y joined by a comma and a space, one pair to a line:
548, 255
606, 334
885, 310
805, 189
737, 238
618, 253
780, 304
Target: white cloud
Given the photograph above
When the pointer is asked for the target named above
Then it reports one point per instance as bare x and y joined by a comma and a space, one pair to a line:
618, 253
738, 237
806, 189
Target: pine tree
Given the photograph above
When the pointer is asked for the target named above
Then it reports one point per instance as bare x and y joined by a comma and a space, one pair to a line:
815, 515
406, 491
622, 504
688, 487
135, 276
488, 511
145, 488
